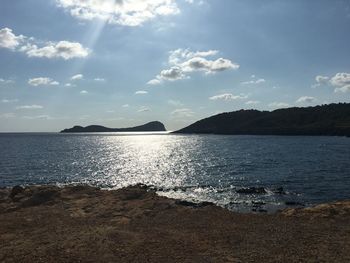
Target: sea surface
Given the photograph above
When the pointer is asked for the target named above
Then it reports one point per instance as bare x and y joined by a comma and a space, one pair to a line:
195, 168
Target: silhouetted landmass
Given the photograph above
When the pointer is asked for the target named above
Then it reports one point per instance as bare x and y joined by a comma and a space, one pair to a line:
148, 127
332, 119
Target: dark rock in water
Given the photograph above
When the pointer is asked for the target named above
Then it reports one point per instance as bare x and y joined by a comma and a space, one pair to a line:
258, 203
191, 204
153, 126
16, 190
294, 203
252, 190
279, 191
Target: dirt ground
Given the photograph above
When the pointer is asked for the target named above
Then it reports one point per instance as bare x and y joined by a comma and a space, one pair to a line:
85, 224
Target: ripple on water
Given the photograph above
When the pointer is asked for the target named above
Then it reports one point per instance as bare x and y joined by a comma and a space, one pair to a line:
190, 167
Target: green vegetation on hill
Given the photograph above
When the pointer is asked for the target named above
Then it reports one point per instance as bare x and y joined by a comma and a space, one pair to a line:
332, 119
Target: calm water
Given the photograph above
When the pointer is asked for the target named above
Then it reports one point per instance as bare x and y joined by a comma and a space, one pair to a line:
191, 167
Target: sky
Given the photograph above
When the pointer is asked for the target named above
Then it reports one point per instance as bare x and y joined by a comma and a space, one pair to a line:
121, 63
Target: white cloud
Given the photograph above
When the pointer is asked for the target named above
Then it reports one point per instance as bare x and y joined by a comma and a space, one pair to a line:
34, 48
8, 115
125, 106
258, 81
154, 82
77, 77
306, 99
6, 81
321, 79
182, 62
121, 12
144, 109
341, 82
343, 89
9, 101
29, 107
228, 97
63, 49
42, 81
181, 113
175, 103
83, 92
278, 105
38, 117
9, 39
99, 79
252, 102
141, 92
69, 85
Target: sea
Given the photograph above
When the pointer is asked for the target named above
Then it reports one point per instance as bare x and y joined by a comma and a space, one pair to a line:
293, 171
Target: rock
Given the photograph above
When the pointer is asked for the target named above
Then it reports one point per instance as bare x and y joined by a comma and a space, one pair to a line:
258, 203
294, 203
279, 191
134, 192
252, 190
192, 204
41, 196
261, 210
16, 190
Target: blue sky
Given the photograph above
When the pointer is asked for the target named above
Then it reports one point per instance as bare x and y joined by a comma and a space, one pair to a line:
121, 63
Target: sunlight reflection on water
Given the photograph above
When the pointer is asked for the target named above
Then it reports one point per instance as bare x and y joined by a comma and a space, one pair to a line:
191, 167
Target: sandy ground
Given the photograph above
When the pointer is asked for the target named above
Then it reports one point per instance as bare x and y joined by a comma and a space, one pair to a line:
85, 224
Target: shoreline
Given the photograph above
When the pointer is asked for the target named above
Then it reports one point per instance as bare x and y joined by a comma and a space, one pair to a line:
134, 224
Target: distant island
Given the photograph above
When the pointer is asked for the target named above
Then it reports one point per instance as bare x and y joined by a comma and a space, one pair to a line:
154, 126
332, 119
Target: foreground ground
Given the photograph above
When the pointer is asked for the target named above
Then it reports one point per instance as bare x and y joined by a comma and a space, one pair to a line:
84, 224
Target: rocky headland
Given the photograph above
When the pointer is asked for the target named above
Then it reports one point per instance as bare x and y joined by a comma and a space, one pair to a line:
153, 126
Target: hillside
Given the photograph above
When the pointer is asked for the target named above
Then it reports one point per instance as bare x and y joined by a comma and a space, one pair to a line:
148, 127
332, 119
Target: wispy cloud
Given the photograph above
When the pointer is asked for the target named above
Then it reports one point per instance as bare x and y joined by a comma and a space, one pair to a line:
7, 115
84, 92
34, 48
77, 77
38, 117
144, 109
253, 81
277, 105
306, 99
183, 112
9, 100
257, 81
29, 107
42, 81
99, 79
228, 97
141, 92
252, 102
6, 81
182, 62
175, 103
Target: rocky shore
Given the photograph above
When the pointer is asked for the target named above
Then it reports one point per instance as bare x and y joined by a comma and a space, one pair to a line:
85, 224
